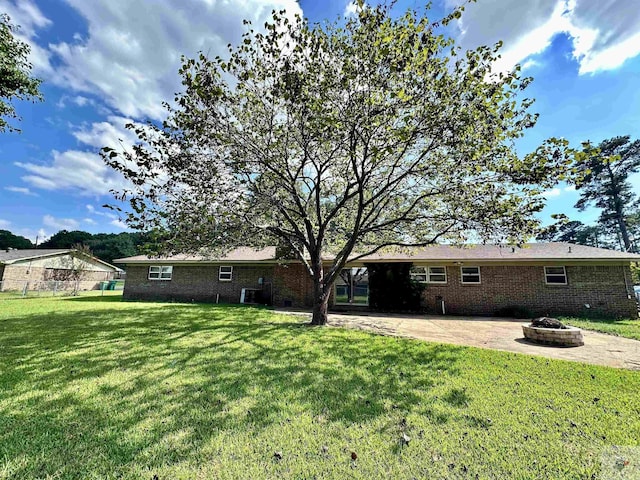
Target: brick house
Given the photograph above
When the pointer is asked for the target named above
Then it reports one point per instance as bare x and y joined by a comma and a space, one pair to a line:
41, 268
543, 278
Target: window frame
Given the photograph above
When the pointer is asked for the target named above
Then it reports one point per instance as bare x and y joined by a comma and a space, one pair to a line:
221, 273
161, 270
463, 275
563, 275
427, 273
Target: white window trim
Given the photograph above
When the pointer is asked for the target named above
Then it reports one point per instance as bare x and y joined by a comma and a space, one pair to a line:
462, 275
230, 273
546, 275
427, 274
159, 272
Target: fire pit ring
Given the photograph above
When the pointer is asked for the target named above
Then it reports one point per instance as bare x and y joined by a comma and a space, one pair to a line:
562, 337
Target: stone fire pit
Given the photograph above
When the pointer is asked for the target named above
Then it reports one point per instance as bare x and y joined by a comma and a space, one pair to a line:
550, 331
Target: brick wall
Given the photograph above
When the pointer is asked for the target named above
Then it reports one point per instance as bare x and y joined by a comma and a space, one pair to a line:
14, 277
196, 283
603, 288
293, 286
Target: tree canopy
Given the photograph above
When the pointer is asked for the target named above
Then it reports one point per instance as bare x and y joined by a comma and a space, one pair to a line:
338, 141
16, 81
602, 180
9, 240
105, 246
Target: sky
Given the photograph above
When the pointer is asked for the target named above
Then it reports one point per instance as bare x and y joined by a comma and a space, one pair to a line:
105, 63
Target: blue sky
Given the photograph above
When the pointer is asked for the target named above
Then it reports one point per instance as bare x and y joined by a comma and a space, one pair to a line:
107, 62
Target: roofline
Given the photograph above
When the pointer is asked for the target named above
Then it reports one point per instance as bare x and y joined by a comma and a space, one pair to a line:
361, 261
62, 252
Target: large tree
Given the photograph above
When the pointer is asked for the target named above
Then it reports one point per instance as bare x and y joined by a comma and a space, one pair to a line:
16, 81
602, 180
9, 240
338, 141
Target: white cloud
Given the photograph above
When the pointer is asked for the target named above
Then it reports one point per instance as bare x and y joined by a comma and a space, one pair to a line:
90, 221
111, 133
351, 9
22, 190
80, 170
118, 223
4, 224
77, 170
530, 64
604, 33
131, 54
60, 223
554, 192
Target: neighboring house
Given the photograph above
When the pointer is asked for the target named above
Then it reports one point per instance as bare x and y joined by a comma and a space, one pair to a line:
48, 268
544, 278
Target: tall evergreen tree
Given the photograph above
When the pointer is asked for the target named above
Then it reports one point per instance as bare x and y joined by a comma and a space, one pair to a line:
602, 180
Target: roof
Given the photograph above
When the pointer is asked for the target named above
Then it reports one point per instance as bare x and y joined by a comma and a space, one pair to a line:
501, 253
13, 255
17, 255
240, 255
481, 253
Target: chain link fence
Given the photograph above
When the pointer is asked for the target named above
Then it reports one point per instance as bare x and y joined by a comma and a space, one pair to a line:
56, 288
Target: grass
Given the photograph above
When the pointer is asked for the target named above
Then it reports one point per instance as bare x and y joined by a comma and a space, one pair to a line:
93, 387
623, 328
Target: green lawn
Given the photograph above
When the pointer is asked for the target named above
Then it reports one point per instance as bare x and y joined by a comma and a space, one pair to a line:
93, 387
622, 328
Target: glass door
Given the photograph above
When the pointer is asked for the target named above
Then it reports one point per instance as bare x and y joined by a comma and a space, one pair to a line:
352, 287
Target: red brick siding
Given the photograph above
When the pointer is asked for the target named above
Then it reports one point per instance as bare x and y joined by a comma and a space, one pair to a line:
195, 283
292, 286
601, 287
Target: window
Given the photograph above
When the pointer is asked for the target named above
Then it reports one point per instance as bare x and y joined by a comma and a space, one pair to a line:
555, 275
225, 274
429, 274
159, 272
470, 274
437, 274
419, 274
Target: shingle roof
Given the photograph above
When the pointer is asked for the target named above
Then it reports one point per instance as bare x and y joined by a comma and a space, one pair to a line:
14, 255
8, 256
242, 254
529, 251
488, 253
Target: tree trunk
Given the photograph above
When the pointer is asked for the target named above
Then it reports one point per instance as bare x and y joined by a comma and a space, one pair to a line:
624, 232
320, 293
320, 309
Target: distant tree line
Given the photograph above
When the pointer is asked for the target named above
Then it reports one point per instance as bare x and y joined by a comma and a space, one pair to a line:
105, 246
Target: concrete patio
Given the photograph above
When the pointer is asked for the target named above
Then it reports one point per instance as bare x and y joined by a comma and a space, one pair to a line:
494, 333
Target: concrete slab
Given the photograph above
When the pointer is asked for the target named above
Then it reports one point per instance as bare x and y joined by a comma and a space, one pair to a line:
497, 334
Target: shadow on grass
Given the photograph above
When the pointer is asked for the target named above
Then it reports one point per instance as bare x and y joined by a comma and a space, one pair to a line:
104, 387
